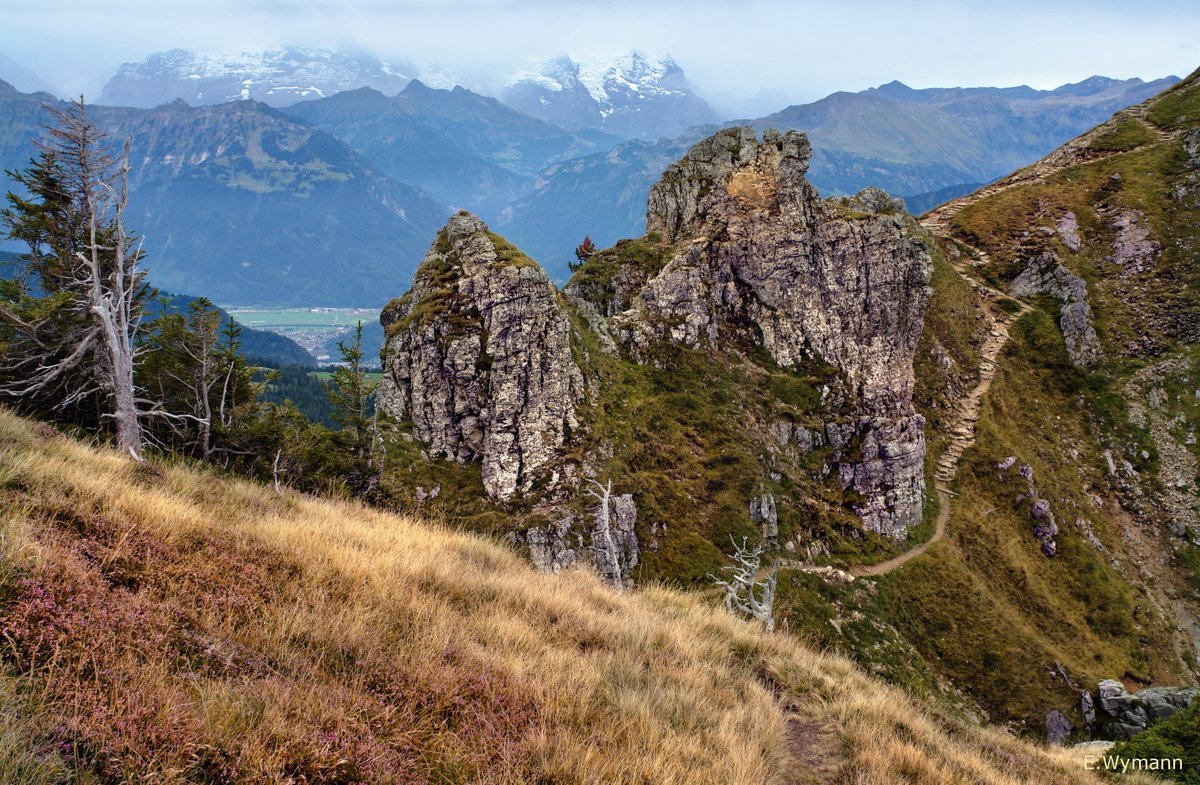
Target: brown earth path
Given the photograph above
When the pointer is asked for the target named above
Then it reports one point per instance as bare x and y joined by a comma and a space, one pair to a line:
962, 435
938, 222
962, 424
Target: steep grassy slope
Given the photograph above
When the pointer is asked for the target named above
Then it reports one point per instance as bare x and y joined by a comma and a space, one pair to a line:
163, 624
988, 608
1110, 448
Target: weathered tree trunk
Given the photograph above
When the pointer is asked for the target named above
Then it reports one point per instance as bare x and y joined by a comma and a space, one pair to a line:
608, 548
80, 348
111, 304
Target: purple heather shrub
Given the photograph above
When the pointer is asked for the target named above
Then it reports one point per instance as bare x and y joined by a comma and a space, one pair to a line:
120, 625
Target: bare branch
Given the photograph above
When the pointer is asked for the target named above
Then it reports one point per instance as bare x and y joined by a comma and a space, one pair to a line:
745, 592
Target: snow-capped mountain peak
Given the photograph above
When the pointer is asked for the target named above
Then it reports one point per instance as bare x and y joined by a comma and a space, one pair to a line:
631, 93
629, 72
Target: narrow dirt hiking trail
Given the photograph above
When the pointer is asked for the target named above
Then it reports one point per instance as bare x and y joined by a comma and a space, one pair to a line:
938, 222
962, 435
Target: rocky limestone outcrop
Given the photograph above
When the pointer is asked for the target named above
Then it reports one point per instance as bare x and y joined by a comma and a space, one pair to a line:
614, 540
1191, 147
767, 257
761, 260
1133, 250
1044, 274
478, 360
1131, 713
552, 548
765, 515
1045, 528
1068, 229
1150, 407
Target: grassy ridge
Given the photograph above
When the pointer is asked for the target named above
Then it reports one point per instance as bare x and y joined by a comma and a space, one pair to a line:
163, 623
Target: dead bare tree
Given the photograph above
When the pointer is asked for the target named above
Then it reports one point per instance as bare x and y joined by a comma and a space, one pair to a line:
745, 591
71, 334
606, 548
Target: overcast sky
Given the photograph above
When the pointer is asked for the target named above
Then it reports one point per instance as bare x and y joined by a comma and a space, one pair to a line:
753, 55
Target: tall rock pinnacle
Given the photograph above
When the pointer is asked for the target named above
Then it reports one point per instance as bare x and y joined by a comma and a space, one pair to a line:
760, 258
478, 359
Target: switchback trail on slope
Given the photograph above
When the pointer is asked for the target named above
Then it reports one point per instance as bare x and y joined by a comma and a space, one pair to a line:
961, 426
961, 423
965, 416
938, 222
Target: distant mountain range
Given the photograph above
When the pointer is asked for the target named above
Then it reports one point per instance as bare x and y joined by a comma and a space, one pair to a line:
924, 145
908, 141
629, 95
464, 149
278, 77
23, 79
334, 199
632, 95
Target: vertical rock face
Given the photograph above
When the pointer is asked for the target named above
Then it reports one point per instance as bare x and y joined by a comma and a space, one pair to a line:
769, 258
614, 542
763, 260
478, 359
1046, 275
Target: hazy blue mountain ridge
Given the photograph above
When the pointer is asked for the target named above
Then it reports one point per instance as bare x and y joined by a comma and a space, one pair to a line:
277, 77
924, 145
246, 205
464, 149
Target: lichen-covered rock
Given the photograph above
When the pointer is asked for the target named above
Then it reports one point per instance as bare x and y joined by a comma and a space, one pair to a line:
761, 260
874, 201
478, 360
763, 513
1044, 274
1191, 142
1087, 707
1191, 146
550, 547
1068, 230
885, 470
614, 540
1133, 250
767, 258
1132, 713
1058, 728
732, 164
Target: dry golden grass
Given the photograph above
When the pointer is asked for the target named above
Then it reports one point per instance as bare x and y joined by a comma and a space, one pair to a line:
320, 641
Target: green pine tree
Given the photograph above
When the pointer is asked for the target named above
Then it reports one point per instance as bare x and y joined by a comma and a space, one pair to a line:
352, 393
